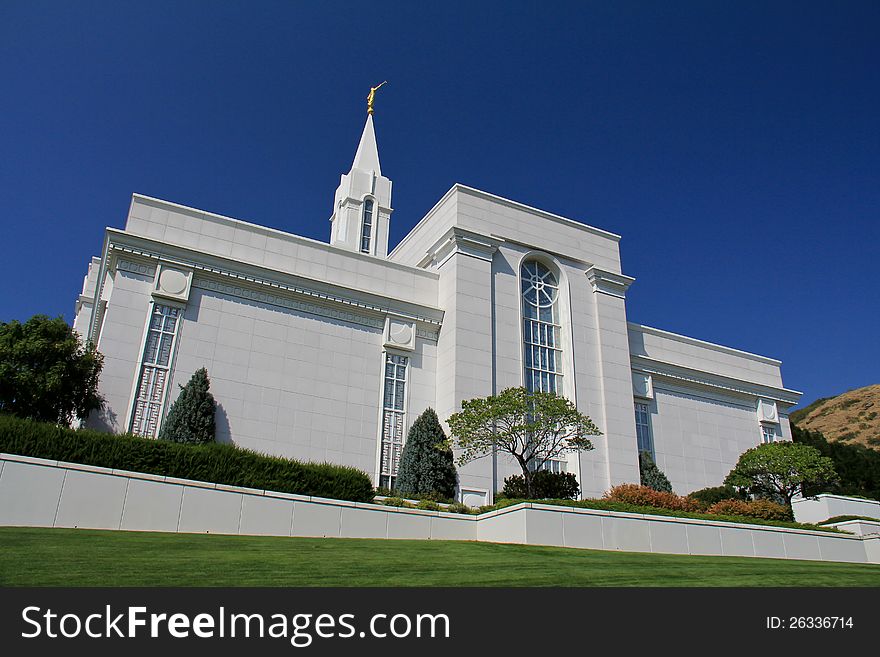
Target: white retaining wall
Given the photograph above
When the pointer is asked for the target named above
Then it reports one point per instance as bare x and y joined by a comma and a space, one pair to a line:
824, 506
43, 493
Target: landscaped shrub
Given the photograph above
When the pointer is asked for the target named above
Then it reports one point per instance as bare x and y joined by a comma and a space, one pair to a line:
458, 507
398, 501
546, 485
706, 497
763, 509
191, 418
427, 465
644, 496
428, 505
222, 464
651, 476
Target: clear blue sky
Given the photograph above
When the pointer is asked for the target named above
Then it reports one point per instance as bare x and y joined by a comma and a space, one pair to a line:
734, 145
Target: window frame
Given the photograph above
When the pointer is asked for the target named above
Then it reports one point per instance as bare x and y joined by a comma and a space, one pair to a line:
365, 234
144, 366
402, 413
644, 408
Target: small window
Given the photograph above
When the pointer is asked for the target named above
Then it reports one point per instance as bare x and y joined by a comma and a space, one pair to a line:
768, 435
367, 226
643, 429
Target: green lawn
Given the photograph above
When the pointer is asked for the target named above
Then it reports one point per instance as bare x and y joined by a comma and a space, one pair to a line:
78, 557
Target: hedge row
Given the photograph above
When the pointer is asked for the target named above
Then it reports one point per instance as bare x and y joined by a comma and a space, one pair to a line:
609, 505
214, 463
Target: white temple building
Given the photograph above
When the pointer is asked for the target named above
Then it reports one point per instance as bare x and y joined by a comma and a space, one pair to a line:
329, 351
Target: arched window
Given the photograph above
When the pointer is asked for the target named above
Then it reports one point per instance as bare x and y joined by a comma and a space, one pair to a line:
367, 226
542, 353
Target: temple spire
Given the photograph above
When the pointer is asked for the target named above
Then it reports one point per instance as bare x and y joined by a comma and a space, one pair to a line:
367, 156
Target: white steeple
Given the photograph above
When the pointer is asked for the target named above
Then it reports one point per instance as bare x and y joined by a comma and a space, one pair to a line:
362, 207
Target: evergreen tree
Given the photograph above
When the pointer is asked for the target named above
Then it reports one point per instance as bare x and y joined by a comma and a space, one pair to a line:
652, 476
191, 417
427, 464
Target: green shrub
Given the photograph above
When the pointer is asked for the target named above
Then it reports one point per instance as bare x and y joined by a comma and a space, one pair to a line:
216, 463
427, 465
458, 507
762, 509
190, 419
645, 496
546, 485
398, 501
428, 505
651, 476
706, 497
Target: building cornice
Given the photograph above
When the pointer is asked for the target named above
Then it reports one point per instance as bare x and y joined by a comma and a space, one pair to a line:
500, 200
609, 282
461, 241
641, 328
280, 234
690, 377
276, 288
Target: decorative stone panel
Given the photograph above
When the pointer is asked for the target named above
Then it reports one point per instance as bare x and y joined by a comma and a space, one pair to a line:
643, 386
767, 412
173, 283
400, 334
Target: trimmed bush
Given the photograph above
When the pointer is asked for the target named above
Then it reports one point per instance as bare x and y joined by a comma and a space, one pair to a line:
428, 505
398, 501
191, 418
644, 496
762, 509
706, 497
427, 465
458, 507
651, 476
221, 464
546, 485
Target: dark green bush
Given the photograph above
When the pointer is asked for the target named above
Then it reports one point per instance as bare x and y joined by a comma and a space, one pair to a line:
221, 464
652, 476
546, 485
706, 497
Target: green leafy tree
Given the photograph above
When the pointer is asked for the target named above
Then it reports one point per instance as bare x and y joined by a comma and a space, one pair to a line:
780, 470
46, 372
191, 418
426, 463
652, 476
532, 427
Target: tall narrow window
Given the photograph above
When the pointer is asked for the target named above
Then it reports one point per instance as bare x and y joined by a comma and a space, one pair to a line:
367, 226
155, 366
542, 351
393, 418
643, 429
768, 434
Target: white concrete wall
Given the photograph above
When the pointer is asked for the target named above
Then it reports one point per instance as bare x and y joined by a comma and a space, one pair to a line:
858, 527
703, 356
492, 215
121, 342
699, 436
826, 505
43, 493
243, 242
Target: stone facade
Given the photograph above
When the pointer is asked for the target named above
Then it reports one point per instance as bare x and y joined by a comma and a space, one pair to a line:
329, 351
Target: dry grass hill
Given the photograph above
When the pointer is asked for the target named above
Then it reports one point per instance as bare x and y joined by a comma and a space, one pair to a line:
853, 417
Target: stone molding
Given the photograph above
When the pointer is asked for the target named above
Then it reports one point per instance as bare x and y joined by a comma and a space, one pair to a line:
609, 282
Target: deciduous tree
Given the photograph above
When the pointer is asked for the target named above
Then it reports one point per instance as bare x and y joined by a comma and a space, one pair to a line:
532, 427
46, 372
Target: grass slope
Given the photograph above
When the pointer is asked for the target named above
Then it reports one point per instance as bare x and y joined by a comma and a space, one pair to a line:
77, 557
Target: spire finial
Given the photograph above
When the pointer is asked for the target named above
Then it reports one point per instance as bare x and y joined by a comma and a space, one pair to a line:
372, 96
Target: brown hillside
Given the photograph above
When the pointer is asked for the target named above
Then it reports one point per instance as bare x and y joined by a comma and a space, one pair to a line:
853, 416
